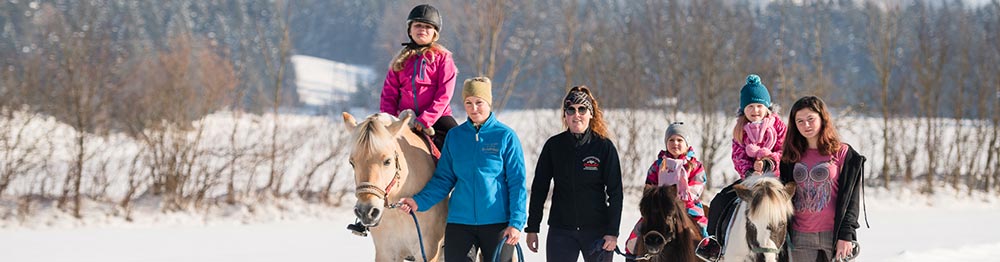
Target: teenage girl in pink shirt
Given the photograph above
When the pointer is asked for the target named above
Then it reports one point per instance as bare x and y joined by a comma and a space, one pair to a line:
829, 179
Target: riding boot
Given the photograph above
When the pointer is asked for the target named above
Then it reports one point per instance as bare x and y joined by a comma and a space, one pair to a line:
709, 249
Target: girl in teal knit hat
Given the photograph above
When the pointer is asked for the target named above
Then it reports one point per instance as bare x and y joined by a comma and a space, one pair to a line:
758, 134
757, 141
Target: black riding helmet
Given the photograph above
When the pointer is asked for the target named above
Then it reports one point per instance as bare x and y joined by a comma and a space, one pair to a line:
424, 13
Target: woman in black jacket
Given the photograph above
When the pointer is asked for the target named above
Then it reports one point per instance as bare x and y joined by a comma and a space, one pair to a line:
828, 175
587, 198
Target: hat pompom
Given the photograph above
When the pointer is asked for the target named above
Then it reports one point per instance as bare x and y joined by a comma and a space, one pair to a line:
753, 79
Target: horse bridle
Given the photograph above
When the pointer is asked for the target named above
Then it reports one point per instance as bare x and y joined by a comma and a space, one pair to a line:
759, 249
369, 188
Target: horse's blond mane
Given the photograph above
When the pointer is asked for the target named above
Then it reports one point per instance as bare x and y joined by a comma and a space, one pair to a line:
769, 202
373, 137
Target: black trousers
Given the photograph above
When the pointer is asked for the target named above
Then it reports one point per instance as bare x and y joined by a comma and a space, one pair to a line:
462, 241
441, 128
567, 245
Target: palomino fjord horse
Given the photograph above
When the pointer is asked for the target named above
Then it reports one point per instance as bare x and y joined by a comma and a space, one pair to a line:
759, 226
666, 232
391, 161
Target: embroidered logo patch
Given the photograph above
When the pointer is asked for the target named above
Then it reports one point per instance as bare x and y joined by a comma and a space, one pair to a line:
491, 148
591, 163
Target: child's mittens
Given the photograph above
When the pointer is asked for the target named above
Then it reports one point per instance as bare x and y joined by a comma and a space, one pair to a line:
667, 175
752, 149
757, 152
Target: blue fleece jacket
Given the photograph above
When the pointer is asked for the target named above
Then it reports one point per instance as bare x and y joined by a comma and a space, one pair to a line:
485, 167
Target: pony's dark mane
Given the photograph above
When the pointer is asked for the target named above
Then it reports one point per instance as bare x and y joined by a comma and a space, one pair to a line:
664, 203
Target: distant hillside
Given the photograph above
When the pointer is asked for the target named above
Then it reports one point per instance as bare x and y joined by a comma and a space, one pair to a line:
324, 84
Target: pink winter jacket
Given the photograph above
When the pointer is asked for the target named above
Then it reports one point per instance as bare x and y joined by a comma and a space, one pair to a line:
760, 140
434, 76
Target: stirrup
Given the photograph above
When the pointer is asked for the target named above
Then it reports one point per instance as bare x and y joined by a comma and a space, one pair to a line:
358, 229
709, 249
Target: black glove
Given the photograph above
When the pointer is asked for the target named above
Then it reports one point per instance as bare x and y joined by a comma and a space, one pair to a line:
768, 166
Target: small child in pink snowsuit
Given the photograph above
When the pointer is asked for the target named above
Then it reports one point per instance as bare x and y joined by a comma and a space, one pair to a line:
758, 134
676, 165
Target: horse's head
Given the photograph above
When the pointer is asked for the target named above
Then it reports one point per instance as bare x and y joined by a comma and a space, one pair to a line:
377, 162
770, 206
665, 225
658, 215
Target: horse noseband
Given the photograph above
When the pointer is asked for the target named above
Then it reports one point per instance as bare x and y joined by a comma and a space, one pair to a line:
369, 188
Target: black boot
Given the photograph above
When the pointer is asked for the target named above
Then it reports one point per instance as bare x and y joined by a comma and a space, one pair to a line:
358, 229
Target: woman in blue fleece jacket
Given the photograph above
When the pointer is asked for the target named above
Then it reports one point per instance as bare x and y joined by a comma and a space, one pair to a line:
482, 166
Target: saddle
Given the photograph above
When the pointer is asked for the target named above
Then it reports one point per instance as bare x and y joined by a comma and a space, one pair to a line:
723, 208
719, 217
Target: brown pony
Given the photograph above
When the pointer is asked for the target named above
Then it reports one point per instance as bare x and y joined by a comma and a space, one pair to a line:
759, 226
390, 161
667, 233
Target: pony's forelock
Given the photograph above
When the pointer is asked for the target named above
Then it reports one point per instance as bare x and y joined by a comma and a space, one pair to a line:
770, 203
372, 135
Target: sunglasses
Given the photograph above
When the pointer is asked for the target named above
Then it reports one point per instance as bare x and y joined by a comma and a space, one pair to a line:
582, 110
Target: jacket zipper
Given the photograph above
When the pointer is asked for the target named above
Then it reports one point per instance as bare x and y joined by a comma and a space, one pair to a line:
573, 177
475, 194
418, 70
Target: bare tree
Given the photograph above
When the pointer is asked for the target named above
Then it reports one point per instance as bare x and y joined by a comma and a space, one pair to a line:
495, 38
715, 66
993, 154
930, 58
275, 65
883, 38
80, 91
818, 83
167, 109
963, 70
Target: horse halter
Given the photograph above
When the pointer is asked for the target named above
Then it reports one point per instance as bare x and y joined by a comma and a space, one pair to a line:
756, 248
369, 188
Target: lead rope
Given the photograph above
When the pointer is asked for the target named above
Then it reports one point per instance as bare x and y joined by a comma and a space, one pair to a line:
420, 237
599, 244
496, 252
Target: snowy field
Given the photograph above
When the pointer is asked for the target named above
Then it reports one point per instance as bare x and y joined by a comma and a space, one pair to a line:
905, 227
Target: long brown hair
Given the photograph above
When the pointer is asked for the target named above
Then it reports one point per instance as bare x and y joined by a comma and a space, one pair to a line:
828, 142
597, 124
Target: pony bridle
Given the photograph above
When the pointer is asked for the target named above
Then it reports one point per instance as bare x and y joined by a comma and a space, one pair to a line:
369, 188
757, 248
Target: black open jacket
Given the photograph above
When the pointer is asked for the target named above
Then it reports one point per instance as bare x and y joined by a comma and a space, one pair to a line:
588, 184
850, 181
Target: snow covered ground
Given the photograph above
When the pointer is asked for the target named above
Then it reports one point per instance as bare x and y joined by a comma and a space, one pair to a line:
904, 227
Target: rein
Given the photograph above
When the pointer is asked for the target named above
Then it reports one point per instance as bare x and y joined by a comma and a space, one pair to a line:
369, 188
598, 244
765, 250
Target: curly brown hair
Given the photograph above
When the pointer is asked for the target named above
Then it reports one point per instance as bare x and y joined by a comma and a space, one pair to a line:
597, 124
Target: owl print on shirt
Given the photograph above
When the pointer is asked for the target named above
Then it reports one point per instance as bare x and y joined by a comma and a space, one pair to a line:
815, 186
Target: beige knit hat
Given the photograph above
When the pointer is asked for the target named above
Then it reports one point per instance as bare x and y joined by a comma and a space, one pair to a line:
480, 87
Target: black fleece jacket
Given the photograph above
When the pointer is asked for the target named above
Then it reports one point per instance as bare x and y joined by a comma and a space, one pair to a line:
588, 184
